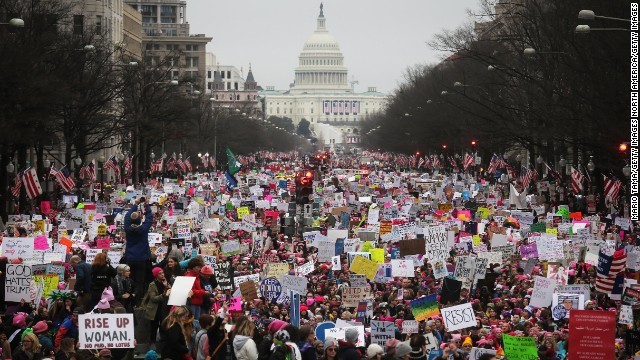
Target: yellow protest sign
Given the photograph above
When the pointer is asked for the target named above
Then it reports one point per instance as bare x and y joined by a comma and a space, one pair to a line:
377, 255
484, 212
366, 246
242, 211
277, 269
102, 230
553, 231
476, 240
362, 265
40, 226
50, 282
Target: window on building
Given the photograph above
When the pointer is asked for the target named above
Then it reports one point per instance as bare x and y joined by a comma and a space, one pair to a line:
312, 110
175, 74
222, 73
171, 32
235, 85
99, 24
78, 24
209, 86
278, 111
191, 61
229, 88
228, 74
209, 74
167, 20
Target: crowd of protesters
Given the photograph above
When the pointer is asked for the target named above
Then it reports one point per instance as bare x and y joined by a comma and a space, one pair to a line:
206, 328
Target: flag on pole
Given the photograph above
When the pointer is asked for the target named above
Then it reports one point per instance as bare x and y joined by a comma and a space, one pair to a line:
156, 166
17, 184
493, 164
63, 178
187, 163
234, 164
609, 267
170, 165
89, 171
525, 177
611, 189
469, 160
31, 183
127, 166
180, 165
420, 163
112, 164
576, 180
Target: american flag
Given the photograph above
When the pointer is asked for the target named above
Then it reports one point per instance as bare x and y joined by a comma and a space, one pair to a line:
171, 164
610, 269
127, 166
89, 171
469, 160
493, 164
180, 165
63, 178
212, 161
453, 162
553, 173
525, 177
31, 183
420, 163
427, 162
611, 189
17, 184
156, 166
291, 186
576, 180
112, 164
187, 163
435, 161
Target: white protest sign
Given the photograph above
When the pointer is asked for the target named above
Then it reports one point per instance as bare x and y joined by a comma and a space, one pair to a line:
358, 280
402, 268
436, 242
14, 248
477, 352
306, 269
230, 247
410, 327
338, 334
458, 317
17, 282
97, 331
381, 331
326, 250
154, 238
183, 231
91, 255
542, 294
180, 290
335, 263
294, 283
351, 296
498, 240
241, 279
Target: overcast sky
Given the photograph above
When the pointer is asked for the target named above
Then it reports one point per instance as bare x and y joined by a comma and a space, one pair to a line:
378, 38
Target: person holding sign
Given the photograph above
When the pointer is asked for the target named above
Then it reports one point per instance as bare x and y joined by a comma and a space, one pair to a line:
197, 292
155, 301
137, 252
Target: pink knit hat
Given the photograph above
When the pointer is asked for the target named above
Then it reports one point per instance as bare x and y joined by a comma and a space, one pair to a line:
156, 271
107, 294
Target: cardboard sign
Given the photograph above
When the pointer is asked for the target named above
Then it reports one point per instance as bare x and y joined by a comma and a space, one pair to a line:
520, 347
14, 248
351, 296
248, 290
98, 331
17, 282
402, 268
180, 290
409, 327
381, 331
412, 246
338, 334
542, 294
458, 317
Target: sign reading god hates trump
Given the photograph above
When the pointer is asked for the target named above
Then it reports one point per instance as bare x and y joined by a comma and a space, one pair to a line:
112, 331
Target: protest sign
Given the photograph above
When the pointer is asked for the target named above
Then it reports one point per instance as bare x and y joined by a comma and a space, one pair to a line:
402, 268
436, 242
520, 347
575, 289
361, 265
477, 352
180, 290
276, 269
529, 251
183, 231
270, 288
358, 280
458, 317
242, 279
338, 334
381, 331
464, 268
351, 296
411, 246
326, 250
14, 248
224, 275
248, 290
49, 283
230, 247
17, 282
306, 268
542, 294
592, 335
297, 284
409, 327
98, 331
335, 263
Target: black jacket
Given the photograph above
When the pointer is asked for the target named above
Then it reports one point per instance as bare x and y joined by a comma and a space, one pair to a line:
216, 336
264, 349
348, 351
101, 276
175, 345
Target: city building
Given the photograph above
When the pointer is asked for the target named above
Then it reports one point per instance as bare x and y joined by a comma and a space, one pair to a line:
322, 93
167, 41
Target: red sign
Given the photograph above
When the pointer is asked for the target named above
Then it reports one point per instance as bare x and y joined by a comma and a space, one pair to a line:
592, 335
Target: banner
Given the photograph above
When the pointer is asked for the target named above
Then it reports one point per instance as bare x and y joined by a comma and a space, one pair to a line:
98, 331
436, 243
224, 275
592, 335
542, 294
381, 331
458, 317
361, 265
425, 307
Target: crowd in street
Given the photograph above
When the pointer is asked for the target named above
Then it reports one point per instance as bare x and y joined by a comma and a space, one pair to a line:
223, 236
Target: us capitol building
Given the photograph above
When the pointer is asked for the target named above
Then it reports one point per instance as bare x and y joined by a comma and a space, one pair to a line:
322, 93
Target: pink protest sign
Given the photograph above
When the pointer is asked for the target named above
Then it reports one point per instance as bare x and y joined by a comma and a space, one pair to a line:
103, 243
235, 304
41, 243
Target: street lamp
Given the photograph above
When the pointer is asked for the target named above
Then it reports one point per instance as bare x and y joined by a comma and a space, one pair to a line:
531, 51
539, 159
10, 167
15, 22
626, 171
590, 15
562, 162
585, 29
591, 166
152, 155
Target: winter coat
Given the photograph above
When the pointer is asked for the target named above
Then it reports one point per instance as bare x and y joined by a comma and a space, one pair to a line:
83, 277
216, 336
348, 351
154, 300
175, 345
245, 348
101, 276
198, 292
137, 244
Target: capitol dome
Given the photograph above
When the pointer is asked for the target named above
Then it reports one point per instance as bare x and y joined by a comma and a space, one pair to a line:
321, 64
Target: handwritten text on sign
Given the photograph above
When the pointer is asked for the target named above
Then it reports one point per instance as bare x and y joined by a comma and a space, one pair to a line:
97, 331
458, 317
18, 282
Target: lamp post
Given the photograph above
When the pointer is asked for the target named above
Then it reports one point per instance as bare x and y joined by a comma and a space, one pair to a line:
215, 134
585, 29
15, 22
102, 160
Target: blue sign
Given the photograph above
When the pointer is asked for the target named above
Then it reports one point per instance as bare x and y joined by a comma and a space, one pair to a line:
320, 329
395, 253
339, 246
271, 288
294, 310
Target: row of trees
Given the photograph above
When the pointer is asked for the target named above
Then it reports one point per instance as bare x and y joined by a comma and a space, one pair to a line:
69, 94
566, 97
